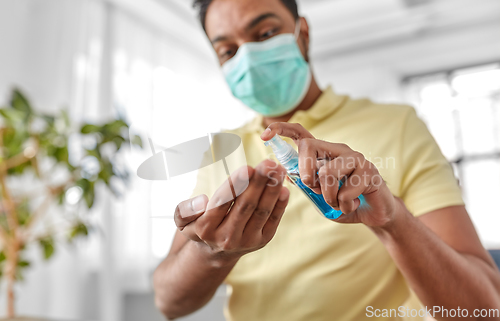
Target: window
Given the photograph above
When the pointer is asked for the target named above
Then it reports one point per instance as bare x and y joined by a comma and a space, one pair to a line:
462, 110
173, 94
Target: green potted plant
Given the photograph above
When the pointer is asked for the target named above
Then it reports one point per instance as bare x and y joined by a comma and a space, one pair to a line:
45, 163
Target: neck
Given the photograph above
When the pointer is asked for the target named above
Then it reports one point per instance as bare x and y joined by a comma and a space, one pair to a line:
311, 97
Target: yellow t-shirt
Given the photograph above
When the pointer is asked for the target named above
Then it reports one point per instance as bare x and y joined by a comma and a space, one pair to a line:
318, 270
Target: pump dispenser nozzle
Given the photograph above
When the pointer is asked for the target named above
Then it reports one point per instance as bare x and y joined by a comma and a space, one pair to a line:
285, 153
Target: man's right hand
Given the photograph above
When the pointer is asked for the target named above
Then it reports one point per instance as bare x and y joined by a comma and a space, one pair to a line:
228, 231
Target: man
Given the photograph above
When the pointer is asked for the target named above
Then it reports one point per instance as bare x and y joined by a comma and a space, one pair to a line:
415, 232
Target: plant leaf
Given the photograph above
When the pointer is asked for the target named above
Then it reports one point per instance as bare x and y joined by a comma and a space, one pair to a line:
83, 183
114, 128
12, 115
137, 140
62, 155
61, 197
47, 245
89, 128
89, 195
79, 229
94, 152
118, 141
23, 212
106, 172
20, 102
49, 119
65, 117
23, 264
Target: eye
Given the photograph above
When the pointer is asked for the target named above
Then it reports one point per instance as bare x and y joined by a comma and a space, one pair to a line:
268, 34
225, 55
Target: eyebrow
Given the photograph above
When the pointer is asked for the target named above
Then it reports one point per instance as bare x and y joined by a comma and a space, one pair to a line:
261, 18
251, 25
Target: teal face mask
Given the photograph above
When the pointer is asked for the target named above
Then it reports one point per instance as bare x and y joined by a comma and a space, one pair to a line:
271, 77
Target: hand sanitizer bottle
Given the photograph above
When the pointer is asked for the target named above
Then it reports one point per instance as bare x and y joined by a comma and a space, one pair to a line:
289, 158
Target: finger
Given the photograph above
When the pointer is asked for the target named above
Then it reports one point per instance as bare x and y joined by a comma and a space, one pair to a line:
245, 204
231, 188
332, 173
221, 201
324, 150
189, 210
308, 164
342, 166
267, 202
354, 186
352, 218
269, 229
293, 131
312, 150
329, 186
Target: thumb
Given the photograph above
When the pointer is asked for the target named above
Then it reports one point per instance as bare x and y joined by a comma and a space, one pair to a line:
189, 210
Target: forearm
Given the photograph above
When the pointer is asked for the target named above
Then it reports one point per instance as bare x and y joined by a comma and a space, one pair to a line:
438, 274
187, 280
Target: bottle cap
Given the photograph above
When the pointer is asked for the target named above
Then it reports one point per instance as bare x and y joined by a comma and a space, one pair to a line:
286, 155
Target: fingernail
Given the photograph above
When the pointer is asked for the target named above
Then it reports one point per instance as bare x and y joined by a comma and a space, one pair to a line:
198, 205
266, 132
284, 194
243, 175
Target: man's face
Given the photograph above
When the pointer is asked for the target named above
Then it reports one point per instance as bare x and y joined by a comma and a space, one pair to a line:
231, 23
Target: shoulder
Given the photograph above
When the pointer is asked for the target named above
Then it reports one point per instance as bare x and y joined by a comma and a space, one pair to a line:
367, 115
388, 111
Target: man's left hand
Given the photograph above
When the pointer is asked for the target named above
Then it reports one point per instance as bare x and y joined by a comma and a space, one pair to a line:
322, 165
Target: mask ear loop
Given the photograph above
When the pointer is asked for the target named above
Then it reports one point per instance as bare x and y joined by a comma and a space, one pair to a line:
297, 29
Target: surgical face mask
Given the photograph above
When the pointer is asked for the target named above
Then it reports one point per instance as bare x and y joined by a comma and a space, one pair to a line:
271, 77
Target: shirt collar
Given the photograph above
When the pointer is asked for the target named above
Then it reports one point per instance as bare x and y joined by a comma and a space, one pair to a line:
325, 106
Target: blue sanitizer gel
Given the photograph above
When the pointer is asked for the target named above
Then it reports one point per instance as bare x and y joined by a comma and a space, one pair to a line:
289, 158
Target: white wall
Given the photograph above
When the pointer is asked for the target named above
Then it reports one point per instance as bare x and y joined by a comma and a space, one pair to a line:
377, 71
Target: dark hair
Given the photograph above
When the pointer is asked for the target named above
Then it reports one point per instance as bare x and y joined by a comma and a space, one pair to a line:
202, 6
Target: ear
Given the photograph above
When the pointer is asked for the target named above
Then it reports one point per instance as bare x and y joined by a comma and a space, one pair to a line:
304, 36
304, 29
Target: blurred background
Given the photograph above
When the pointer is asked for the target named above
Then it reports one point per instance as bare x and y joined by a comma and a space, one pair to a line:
150, 61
